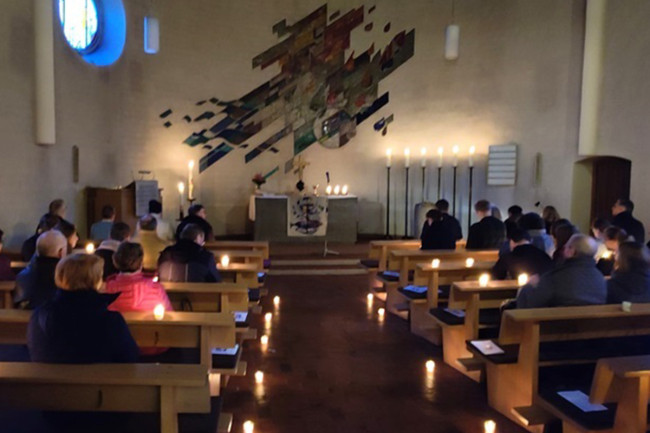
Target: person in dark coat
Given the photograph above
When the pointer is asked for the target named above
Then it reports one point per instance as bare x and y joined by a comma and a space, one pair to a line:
512, 222
487, 234
450, 222
562, 231
631, 277
76, 327
120, 232
35, 284
524, 258
622, 211
575, 282
435, 234
187, 260
196, 215
47, 222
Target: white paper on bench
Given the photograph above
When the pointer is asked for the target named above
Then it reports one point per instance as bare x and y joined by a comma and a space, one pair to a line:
391, 274
457, 313
226, 351
241, 316
487, 347
416, 289
581, 401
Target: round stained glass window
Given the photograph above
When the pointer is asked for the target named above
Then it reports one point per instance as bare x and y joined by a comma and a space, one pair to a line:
81, 24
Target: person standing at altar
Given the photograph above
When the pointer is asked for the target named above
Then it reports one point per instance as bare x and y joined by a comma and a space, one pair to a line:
187, 260
487, 234
196, 215
450, 223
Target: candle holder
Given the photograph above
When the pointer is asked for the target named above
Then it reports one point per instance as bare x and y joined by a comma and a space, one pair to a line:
388, 202
469, 207
406, 205
454, 192
439, 182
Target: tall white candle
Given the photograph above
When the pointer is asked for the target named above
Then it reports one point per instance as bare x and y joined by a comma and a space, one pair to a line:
455, 150
181, 190
389, 154
190, 180
472, 150
423, 152
440, 150
407, 157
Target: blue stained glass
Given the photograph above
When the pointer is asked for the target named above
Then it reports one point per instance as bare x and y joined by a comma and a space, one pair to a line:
80, 22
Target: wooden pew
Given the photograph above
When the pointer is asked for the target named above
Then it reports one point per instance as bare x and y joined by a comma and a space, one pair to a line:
241, 256
379, 250
240, 273
7, 290
208, 297
262, 246
512, 378
165, 389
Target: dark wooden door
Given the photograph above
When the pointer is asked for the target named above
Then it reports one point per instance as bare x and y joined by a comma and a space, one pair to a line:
610, 181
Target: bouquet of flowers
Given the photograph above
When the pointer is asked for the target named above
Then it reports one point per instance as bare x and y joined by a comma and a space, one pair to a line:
258, 180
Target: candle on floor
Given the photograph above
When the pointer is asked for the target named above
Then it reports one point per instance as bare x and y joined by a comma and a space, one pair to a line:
522, 279
337, 190
159, 312
381, 312
469, 262
268, 317
430, 365
483, 280
276, 301
249, 427
225, 260
90, 248
370, 297
389, 154
489, 426
259, 377
435, 263
264, 339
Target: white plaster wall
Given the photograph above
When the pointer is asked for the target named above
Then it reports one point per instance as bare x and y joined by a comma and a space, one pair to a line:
517, 79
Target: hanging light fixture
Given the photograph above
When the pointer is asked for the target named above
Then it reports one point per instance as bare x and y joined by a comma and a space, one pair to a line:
452, 36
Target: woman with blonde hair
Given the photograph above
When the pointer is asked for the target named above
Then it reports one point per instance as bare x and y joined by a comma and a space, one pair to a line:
631, 277
76, 326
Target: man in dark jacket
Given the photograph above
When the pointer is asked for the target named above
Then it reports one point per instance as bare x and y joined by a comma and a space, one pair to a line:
449, 222
196, 215
487, 234
47, 222
523, 258
622, 211
187, 260
120, 232
435, 236
35, 284
575, 282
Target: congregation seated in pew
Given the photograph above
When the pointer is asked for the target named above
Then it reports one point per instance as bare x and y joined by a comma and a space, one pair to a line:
576, 281
188, 260
198, 216
152, 245
69, 230
437, 233
101, 230
120, 232
46, 223
622, 211
561, 231
6, 274
489, 232
163, 228
533, 224
523, 258
630, 280
515, 212
450, 222
35, 284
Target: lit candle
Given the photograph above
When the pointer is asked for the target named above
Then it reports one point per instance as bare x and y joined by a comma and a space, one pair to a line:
90, 248
159, 312
259, 377
483, 280
430, 365
407, 157
423, 152
381, 312
455, 151
389, 154
489, 426
607, 255
268, 317
522, 279
469, 262
344, 190
155, 279
190, 180
472, 150
264, 339
370, 297
337, 189
435, 263
328, 190
276, 301
225, 260
249, 427
440, 151
181, 190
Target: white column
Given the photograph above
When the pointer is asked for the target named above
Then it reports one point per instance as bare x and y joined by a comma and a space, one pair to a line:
592, 71
44, 109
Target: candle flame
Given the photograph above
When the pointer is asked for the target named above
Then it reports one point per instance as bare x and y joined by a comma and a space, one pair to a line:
276, 301
328, 190
423, 151
337, 189
259, 377
268, 317
483, 280
522, 279
489, 426
181, 187
249, 427
440, 150
472, 150
159, 312
407, 151
381, 312
435, 263
430, 366
344, 190
455, 149
389, 152
90, 248
190, 164
264, 339
225, 261
469, 262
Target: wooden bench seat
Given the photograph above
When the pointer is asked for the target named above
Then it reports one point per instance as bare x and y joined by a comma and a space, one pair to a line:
261, 246
241, 273
241, 256
534, 338
208, 297
165, 389
7, 290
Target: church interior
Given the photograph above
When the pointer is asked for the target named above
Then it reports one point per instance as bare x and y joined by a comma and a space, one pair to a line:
334, 215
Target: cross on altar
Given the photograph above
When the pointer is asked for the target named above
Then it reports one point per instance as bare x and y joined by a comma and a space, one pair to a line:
299, 166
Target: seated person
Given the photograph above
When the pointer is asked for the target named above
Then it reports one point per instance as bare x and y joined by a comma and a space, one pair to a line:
631, 277
550, 215
119, 233
450, 222
512, 222
622, 211
575, 282
163, 228
487, 234
76, 326
435, 234
70, 232
523, 258
152, 245
598, 227
6, 274
613, 236
101, 230
196, 215
187, 260
47, 222
534, 225
35, 284
561, 231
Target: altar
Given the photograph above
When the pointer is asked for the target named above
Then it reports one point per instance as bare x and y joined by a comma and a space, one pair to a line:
271, 220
